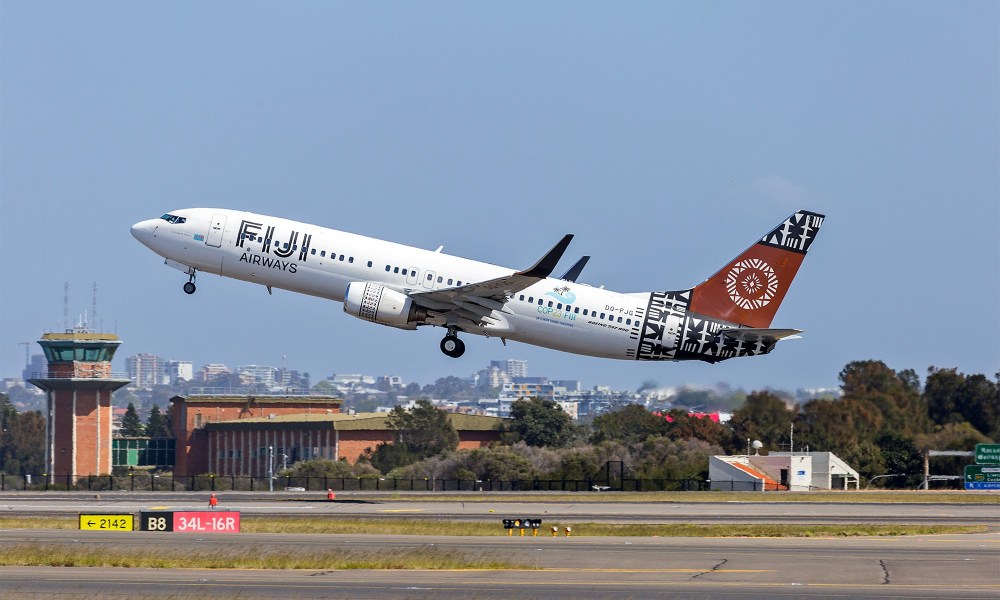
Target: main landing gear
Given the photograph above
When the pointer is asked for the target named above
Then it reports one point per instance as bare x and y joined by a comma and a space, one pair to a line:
189, 287
451, 345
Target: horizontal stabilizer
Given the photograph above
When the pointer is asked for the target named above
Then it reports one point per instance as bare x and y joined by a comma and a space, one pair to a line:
749, 334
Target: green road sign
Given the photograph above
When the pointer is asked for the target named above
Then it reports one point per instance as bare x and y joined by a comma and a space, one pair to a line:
988, 454
982, 477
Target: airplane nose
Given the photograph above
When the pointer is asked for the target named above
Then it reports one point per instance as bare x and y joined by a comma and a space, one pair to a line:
142, 231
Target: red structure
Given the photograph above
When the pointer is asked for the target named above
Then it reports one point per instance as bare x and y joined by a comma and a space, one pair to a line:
78, 385
191, 414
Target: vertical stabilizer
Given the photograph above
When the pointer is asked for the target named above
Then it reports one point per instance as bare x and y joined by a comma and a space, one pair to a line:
750, 288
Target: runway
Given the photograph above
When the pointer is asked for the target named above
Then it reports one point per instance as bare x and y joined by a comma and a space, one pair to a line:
949, 566
945, 566
498, 507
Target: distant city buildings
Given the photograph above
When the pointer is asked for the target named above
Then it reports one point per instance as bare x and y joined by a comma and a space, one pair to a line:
512, 367
146, 371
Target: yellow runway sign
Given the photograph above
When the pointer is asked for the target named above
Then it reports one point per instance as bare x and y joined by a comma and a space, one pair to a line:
107, 522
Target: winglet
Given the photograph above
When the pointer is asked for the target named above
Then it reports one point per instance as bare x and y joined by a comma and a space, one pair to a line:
544, 267
575, 270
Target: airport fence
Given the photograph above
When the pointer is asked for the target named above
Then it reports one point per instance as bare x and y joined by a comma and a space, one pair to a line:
137, 482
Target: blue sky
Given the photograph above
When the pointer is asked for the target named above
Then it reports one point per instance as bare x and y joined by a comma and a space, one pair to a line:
666, 136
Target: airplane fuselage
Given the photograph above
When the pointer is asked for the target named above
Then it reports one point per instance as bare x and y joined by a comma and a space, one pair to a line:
552, 313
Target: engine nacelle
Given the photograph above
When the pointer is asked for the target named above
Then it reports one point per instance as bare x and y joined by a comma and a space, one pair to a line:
379, 304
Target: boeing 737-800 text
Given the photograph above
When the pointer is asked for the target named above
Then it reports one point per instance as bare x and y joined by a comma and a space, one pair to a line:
726, 316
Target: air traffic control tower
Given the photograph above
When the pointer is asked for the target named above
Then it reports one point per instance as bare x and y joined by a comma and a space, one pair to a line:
78, 386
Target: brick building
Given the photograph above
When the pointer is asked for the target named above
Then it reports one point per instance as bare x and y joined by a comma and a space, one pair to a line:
240, 447
191, 414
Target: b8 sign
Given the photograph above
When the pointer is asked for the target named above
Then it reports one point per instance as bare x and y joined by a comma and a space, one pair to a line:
156, 521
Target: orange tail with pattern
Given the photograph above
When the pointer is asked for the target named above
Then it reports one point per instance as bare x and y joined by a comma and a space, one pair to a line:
750, 288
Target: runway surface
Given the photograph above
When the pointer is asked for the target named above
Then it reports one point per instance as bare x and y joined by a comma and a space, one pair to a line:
948, 566
945, 566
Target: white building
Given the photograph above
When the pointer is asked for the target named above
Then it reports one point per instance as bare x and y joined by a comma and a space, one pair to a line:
146, 371
800, 471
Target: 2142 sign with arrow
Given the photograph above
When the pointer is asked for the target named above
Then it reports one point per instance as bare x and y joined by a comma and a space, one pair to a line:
107, 522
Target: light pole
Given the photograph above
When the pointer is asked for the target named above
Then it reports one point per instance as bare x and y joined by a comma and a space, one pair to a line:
270, 468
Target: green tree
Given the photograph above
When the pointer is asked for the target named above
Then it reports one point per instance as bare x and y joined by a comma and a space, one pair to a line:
631, 423
22, 440
684, 426
896, 395
131, 424
765, 417
420, 432
424, 429
953, 397
540, 422
156, 424
324, 467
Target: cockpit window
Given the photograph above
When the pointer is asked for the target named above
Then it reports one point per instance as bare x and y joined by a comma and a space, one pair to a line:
169, 218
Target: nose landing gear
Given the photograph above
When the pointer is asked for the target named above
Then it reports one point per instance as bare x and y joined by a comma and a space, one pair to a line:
189, 287
451, 345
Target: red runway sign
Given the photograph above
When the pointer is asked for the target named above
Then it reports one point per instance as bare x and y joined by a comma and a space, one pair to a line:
209, 521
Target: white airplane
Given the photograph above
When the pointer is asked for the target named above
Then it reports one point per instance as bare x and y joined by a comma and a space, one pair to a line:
726, 316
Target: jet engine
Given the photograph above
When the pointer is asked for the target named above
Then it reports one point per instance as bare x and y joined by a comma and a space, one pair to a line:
379, 304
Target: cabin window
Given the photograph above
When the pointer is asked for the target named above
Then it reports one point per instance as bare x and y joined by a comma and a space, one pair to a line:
440, 279
531, 300
395, 270
521, 298
550, 304
628, 321
350, 259
619, 319
369, 264
430, 277
541, 302
459, 282
576, 309
387, 268
602, 315
404, 271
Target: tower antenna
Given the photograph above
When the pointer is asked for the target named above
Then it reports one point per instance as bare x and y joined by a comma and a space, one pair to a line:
93, 311
66, 306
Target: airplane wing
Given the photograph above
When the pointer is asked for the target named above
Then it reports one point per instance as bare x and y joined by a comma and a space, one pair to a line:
573, 272
475, 302
749, 334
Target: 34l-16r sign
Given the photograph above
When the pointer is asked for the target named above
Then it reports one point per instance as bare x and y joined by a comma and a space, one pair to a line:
191, 521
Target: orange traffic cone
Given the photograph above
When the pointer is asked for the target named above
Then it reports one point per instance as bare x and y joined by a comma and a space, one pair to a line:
213, 501
330, 495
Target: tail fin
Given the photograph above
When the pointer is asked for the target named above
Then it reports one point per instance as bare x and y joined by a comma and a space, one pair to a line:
750, 288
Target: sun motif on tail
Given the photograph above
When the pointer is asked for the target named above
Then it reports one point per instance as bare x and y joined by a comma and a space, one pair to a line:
751, 283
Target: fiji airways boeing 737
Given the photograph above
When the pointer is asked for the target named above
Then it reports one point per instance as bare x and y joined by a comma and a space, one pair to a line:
726, 316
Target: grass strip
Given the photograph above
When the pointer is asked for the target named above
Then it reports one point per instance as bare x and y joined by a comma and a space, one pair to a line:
424, 527
59, 555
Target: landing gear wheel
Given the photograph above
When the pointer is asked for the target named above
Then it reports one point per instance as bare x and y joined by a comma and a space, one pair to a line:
189, 287
452, 346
